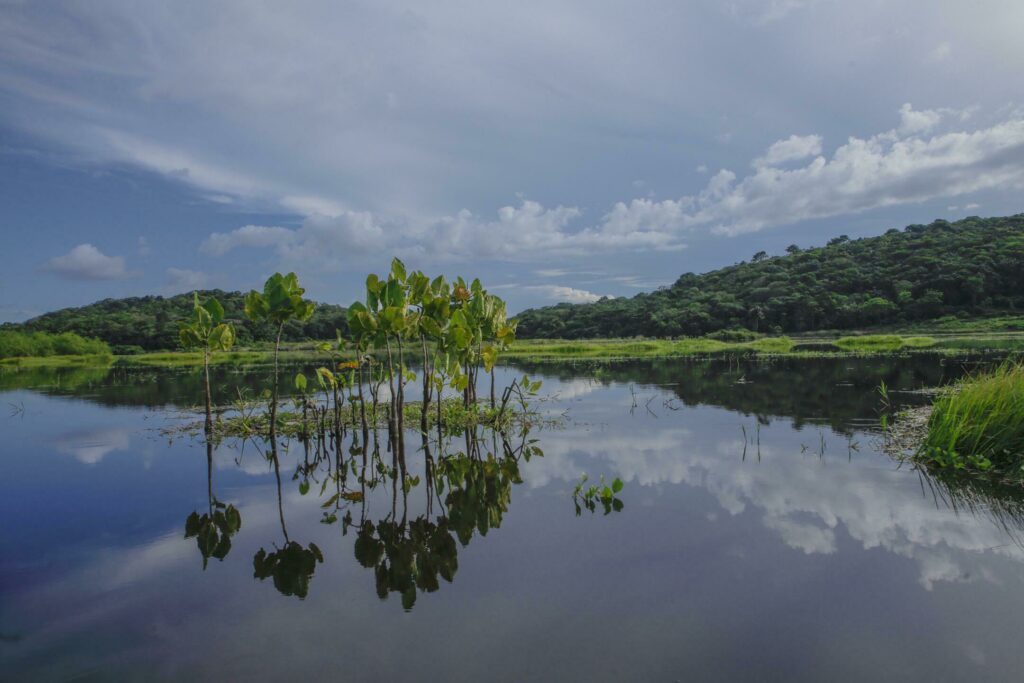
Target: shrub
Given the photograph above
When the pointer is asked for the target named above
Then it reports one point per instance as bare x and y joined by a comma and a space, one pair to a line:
734, 335
15, 344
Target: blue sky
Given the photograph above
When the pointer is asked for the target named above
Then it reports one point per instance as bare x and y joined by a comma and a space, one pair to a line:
559, 150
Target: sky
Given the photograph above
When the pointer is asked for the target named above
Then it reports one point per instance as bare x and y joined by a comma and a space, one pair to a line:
560, 151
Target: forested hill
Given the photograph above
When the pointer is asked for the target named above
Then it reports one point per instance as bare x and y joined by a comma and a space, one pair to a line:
973, 267
151, 322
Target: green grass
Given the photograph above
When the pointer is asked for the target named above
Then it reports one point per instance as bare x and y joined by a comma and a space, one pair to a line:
641, 348
882, 342
979, 424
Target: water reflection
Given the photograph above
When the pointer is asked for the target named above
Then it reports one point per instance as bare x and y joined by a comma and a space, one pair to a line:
431, 508
215, 527
843, 546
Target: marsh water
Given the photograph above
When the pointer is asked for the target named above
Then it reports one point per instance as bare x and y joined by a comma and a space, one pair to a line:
762, 535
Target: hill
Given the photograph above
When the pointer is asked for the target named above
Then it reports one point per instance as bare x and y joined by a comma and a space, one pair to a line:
151, 322
971, 267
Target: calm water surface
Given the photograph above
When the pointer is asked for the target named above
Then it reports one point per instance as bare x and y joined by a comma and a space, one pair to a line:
762, 537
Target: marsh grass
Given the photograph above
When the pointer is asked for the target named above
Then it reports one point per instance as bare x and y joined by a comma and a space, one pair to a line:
875, 343
643, 348
979, 423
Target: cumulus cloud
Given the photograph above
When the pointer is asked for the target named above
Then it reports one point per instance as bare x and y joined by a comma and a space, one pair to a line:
562, 293
86, 262
220, 243
910, 163
793, 148
898, 166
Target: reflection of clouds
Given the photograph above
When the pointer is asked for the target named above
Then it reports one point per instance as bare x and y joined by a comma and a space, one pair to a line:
801, 498
91, 446
575, 388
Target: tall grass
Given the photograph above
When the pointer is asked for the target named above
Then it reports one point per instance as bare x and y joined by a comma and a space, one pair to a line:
980, 423
14, 344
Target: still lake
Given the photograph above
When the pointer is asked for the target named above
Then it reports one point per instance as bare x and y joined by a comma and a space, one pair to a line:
763, 536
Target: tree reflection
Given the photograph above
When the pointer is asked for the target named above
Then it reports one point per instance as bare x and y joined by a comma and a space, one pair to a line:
292, 565
214, 528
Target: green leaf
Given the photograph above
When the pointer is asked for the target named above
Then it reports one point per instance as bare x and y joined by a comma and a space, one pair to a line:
214, 308
304, 487
617, 485
300, 382
398, 269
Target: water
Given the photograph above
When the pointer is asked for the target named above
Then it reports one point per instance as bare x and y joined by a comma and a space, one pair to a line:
763, 537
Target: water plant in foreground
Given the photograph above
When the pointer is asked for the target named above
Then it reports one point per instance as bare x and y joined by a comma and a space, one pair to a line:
979, 424
206, 331
280, 301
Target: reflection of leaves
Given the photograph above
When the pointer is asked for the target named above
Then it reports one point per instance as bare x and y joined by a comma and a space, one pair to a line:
291, 567
479, 492
407, 558
592, 496
213, 532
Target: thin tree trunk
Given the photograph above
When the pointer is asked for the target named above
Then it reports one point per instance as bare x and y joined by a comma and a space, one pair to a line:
273, 405
209, 400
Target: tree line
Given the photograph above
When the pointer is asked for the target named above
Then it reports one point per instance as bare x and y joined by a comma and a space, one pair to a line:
973, 267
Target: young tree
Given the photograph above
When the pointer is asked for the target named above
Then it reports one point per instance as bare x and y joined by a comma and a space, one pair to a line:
205, 330
280, 301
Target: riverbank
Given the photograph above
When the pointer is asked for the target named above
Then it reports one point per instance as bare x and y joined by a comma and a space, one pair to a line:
810, 345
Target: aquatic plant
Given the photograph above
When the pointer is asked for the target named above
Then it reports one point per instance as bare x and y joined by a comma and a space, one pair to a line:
458, 328
979, 423
279, 302
206, 331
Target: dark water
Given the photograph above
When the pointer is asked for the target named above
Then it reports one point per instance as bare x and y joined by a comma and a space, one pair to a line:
762, 537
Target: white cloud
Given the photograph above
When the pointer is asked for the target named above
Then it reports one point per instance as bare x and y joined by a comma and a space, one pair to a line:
219, 243
890, 168
561, 293
90, 447
86, 262
919, 120
972, 206
793, 148
143, 247
181, 280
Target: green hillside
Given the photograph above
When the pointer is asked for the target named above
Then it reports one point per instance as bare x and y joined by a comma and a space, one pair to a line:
151, 322
973, 267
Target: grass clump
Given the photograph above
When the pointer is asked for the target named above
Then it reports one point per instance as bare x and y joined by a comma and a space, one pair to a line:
873, 343
979, 425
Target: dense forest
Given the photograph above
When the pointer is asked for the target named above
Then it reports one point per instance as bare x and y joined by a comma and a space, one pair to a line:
971, 267
151, 322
